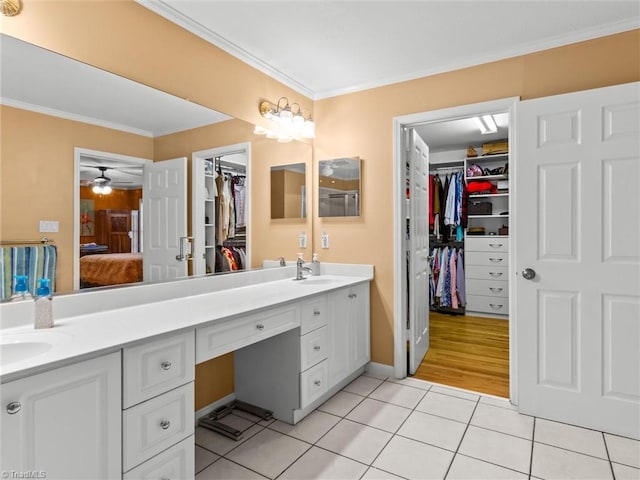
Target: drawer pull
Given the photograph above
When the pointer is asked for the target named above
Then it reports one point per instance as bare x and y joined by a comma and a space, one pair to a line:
495, 289
495, 274
316, 312
260, 326
496, 260
495, 306
316, 348
165, 424
13, 408
166, 365
353, 295
495, 245
317, 383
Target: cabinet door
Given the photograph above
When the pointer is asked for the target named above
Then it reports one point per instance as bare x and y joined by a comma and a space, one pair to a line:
339, 335
359, 317
65, 422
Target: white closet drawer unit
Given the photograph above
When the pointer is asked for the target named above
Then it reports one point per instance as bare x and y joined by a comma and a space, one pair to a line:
313, 348
155, 425
157, 366
496, 259
481, 272
177, 462
492, 288
236, 333
480, 303
313, 314
313, 383
497, 244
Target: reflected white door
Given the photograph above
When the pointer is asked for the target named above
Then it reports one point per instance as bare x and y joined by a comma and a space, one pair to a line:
418, 246
578, 230
165, 219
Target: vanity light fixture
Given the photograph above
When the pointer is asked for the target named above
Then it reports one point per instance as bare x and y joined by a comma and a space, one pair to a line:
289, 120
486, 124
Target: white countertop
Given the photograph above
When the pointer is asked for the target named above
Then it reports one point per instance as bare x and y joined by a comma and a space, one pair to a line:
76, 338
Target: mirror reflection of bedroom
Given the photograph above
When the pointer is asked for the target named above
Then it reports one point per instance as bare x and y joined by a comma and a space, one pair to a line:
110, 222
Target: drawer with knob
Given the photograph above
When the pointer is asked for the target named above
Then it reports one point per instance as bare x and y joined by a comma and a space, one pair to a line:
230, 335
494, 259
313, 383
313, 314
155, 425
177, 462
313, 348
495, 244
482, 303
486, 272
154, 367
491, 288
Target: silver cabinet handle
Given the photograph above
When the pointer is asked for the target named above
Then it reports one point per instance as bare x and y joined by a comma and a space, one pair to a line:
317, 383
260, 326
496, 260
165, 424
317, 348
528, 273
495, 289
166, 365
495, 274
495, 306
13, 408
316, 312
353, 295
495, 245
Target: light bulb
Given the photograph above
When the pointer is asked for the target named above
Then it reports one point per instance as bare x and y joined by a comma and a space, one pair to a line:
96, 189
309, 129
106, 190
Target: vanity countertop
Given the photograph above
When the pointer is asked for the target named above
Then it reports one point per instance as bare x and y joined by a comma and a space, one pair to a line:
76, 338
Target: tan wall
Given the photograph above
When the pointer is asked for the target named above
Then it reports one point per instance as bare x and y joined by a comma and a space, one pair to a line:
36, 175
360, 124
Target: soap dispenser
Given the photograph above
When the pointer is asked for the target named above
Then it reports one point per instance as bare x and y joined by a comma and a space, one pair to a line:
44, 307
20, 290
315, 265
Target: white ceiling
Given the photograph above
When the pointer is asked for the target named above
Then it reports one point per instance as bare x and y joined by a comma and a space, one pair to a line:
327, 48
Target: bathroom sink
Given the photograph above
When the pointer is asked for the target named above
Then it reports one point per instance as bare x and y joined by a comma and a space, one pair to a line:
23, 346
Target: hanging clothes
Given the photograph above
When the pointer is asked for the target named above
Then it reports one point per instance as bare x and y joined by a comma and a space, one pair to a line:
446, 282
239, 200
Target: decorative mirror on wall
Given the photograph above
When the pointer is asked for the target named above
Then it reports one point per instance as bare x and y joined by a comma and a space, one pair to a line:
288, 191
339, 187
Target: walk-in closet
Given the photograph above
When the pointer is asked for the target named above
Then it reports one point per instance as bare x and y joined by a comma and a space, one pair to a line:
467, 212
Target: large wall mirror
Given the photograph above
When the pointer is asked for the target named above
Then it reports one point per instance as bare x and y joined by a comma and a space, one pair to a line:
50, 110
288, 191
339, 187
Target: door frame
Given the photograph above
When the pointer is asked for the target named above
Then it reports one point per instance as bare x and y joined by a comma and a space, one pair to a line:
77, 154
400, 124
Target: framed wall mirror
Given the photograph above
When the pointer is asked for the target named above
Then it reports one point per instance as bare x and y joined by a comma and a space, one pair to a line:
288, 191
339, 187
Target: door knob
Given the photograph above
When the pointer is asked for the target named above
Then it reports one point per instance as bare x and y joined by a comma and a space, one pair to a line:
528, 273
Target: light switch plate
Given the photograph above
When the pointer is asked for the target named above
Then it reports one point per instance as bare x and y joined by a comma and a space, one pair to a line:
302, 240
324, 240
49, 226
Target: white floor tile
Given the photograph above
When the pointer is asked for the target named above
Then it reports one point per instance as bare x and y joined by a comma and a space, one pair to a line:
355, 441
623, 472
411, 382
401, 395
310, 429
224, 469
204, 458
341, 403
503, 420
377, 474
437, 431
498, 402
363, 385
578, 439
374, 375
379, 415
453, 392
268, 453
551, 462
413, 460
467, 468
322, 465
623, 450
498, 448
454, 408
220, 444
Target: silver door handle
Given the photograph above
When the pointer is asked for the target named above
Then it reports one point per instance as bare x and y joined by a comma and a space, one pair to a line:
185, 249
528, 273
13, 408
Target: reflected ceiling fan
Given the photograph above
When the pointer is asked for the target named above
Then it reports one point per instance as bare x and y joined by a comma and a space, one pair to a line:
103, 184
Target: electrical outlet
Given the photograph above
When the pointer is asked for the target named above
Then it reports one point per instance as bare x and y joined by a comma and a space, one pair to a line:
49, 226
302, 240
324, 240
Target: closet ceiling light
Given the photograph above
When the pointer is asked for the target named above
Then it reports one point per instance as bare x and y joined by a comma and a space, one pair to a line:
288, 118
486, 124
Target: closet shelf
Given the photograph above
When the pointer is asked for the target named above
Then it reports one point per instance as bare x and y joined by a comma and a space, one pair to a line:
491, 195
488, 177
487, 216
481, 158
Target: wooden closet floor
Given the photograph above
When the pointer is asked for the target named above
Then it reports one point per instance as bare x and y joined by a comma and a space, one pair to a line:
467, 352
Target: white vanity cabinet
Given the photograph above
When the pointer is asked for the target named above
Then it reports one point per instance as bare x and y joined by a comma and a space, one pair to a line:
158, 398
65, 423
348, 327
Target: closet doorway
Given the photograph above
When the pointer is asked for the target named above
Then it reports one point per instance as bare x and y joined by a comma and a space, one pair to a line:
467, 299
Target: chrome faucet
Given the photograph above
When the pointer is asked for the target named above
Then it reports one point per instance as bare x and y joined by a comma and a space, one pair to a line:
283, 262
300, 268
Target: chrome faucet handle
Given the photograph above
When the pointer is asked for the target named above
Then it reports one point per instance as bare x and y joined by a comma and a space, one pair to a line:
283, 262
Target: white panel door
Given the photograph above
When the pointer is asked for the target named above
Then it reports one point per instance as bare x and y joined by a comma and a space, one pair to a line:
578, 229
164, 197
418, 247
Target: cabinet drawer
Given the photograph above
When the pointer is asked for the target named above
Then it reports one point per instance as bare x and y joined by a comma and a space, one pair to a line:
313, 383
313, 348
490, 288
497, 244
236, 333
156, 367
155, 425
176, 462
495, 259
482, 272
313, 314
480, 303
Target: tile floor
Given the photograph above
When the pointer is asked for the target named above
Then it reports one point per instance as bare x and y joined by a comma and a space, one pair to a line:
377, 428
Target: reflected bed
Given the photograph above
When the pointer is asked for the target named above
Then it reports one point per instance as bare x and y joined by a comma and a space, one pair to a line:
110, 269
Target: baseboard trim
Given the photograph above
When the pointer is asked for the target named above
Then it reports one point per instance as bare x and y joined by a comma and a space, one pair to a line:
212, 406
379, 369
